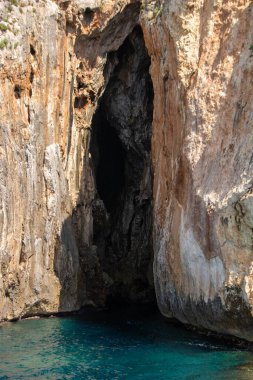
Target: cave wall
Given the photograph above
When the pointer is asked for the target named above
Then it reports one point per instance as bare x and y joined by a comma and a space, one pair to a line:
51, 82
121, 154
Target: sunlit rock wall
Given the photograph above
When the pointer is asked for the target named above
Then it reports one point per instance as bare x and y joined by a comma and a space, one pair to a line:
52, 56
202, 70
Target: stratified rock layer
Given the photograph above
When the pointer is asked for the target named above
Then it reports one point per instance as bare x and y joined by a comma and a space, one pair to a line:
52, 63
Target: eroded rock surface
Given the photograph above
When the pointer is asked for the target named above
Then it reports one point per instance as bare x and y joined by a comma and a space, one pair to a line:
56, 60
202, 149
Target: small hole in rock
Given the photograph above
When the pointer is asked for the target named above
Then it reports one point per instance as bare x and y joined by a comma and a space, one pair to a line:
17, 91
31, 76
28, 115
80, 84
80, 101
92, 95
32, 50
88, 15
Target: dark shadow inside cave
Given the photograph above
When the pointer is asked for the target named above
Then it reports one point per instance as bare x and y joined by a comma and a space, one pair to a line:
108, 161
120, 151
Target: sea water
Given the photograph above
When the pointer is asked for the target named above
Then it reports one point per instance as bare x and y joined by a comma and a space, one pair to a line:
107, 346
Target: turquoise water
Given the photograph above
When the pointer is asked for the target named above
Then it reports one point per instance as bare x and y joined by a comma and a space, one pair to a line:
106, 347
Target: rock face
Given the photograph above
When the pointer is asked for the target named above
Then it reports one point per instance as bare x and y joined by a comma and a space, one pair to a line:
74, 74
202, 160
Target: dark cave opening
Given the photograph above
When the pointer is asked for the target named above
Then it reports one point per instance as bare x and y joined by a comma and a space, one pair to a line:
108, 160
120, 151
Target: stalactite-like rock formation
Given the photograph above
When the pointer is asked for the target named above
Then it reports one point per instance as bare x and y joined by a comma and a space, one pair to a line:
75, 74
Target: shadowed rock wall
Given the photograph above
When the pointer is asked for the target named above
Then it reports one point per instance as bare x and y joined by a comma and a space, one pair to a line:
120, 149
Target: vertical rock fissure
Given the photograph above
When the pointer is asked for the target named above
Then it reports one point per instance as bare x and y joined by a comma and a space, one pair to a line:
121, 159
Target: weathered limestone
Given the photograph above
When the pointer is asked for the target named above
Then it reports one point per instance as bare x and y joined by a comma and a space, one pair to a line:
202, 148
50, 84
201, 69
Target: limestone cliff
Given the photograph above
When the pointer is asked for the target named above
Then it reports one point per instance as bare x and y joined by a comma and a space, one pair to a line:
69, 67
202, 160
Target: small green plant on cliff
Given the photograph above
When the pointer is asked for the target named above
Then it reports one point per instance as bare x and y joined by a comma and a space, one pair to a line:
3, 27
153, 9
3, 43
158, 10
9, 8
143, 6
14, 2
251, 50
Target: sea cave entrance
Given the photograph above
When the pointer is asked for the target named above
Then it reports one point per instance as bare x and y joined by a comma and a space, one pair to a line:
121, 159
